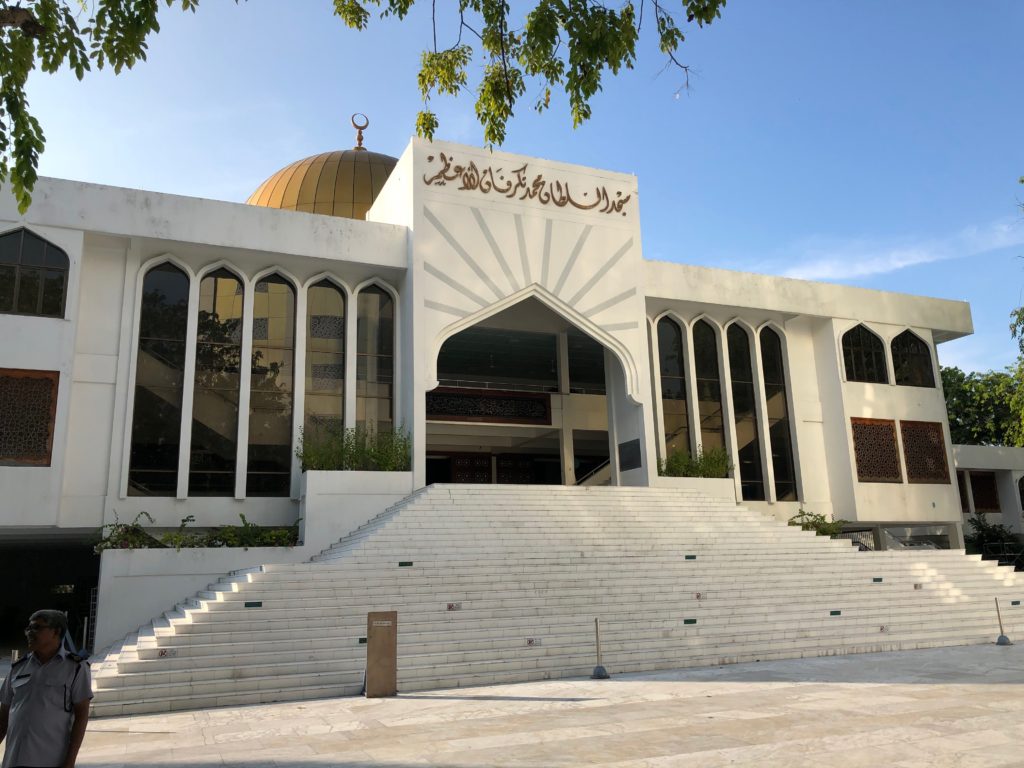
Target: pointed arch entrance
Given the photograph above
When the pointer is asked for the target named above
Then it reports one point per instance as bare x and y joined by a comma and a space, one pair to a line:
525, 395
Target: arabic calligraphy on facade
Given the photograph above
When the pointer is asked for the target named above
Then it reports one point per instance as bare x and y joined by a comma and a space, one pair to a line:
517, 185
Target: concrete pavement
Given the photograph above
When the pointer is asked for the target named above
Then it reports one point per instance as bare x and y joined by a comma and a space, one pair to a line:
959, 707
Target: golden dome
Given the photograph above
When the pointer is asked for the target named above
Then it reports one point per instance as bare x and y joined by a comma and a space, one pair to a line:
343, 183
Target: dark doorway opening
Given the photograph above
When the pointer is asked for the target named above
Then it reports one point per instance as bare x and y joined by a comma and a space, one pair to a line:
36, 576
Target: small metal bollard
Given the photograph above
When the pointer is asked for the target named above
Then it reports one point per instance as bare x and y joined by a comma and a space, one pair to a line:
600, 673
1002, 639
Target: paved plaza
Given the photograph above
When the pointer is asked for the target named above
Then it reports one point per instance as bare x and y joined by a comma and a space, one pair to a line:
959, 707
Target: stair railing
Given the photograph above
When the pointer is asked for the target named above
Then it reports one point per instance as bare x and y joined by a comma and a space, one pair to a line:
594, 471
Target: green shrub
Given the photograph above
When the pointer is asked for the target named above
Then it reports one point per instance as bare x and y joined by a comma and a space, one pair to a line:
713, 462
821, 525
251, 535
327, 447
182, 538
118, 535
245, 535
983, 532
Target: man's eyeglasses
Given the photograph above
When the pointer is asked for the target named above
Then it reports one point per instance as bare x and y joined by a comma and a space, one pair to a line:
36, 627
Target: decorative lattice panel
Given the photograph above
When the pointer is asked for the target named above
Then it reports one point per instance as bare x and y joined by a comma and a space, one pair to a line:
28, 404
325, 376
327, 327
924, 451
475, 405
875, 450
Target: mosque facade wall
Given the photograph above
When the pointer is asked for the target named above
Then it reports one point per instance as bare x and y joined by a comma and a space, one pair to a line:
32, 494
457, 235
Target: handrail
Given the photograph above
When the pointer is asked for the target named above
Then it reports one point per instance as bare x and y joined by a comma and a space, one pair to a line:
594, 471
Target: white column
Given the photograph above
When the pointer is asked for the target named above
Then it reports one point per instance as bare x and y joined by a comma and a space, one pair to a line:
351, 342
188, 388
1009, 499
298, 385
128, 354
659, 407
565, 446
692, 402
763, 431
728, 411
970, 493
245, 375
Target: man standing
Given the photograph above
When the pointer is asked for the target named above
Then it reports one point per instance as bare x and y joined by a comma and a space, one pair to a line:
44, 702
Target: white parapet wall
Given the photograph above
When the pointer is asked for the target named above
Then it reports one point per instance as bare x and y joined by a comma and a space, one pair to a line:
333, 504
716, 488
138, 585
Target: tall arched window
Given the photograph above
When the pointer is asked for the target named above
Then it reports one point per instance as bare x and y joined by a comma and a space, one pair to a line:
744, 403
375, 359
773, 366
864, 356
272, 384
709, 385
325, 357
33, 275
912, 361
159, 383
212, 461
673, 387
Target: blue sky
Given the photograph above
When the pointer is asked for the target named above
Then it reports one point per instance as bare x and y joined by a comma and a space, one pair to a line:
874, 143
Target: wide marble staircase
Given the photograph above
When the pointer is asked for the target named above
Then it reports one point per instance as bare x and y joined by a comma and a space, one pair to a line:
503, 583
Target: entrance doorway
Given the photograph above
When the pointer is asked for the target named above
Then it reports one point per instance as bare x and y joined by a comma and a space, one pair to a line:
504, 468
521, 400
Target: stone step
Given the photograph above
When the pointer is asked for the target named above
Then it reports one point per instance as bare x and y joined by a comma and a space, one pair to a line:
711, 582
763, 614
579, 632
463, 621
414, 677
530, 567
226, 609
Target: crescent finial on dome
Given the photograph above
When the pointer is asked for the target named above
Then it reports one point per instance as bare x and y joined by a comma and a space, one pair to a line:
360, 128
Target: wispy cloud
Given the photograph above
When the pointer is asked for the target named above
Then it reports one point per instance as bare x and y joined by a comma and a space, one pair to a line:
823, 259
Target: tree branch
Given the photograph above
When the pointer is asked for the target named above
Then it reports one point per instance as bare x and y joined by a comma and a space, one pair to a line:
23, 19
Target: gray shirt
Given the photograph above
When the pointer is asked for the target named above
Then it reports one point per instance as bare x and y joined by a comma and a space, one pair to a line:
41, 697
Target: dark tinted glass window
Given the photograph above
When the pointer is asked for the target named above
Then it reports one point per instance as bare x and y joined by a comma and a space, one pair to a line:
709, 386
673, 387
375, 345
33, 275
773, 367
744, 403
864, 356
159, 382
272, 384
912, 361
8, 279
495, 358
212, 462
325, 357
586, 364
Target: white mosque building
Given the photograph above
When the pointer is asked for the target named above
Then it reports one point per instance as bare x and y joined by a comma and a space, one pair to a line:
165, 354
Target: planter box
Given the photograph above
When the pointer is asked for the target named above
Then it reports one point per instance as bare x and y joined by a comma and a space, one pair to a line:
333, 504
716, 487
